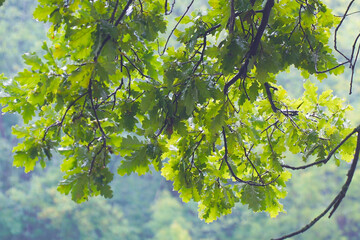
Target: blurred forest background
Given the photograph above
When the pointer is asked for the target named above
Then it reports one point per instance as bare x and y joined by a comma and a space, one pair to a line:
146, 207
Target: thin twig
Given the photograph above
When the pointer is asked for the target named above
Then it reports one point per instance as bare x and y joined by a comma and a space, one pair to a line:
177, 24
354, 63
324, 161
110, 95
252, 164
129, 81
94, 109
349, 14
330, 69
63, 117
103, 146
337, 29
166, 7
201, 56
138, 69
271, 125
252, 183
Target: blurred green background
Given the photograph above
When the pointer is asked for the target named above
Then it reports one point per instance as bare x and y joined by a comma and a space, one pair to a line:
146, 207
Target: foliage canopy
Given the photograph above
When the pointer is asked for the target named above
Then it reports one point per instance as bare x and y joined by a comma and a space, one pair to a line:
207, 112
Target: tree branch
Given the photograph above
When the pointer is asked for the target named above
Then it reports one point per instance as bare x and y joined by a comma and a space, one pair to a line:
254, 46
108, 37
166, 7
176, 25
114, 12
252, 183
324, 161
94, 109
252, 164
337, 29
201, 56
138, 69
339, 197
123, 12
63, 117
269, 96
231, 22
110, 95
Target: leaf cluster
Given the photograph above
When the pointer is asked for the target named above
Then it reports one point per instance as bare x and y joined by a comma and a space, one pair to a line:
208, 114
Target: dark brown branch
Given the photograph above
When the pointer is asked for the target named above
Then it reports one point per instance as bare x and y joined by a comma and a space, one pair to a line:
350, 59
287, 113
271, 125
203, 46
236, 110
269, 96
103, 135
338, 27
138, 96
114, 12
63, 117
292, 31
212, 29
354, 63
129, 81
201, 56
269, 140
350, 175
138, 69
253, 47
349, 14
108, 37
231, 22
252, 164
103, 146
110, 95
246, 94
81, 112
252, 183
193, 153
176, 25
94, 109
354, 47
330, 69
159, 131
324, 161
91, 142
302, 29
339, 197
141, 6
123, 12
166, 7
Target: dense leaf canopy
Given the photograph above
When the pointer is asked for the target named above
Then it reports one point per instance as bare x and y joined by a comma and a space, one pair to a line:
197, 100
